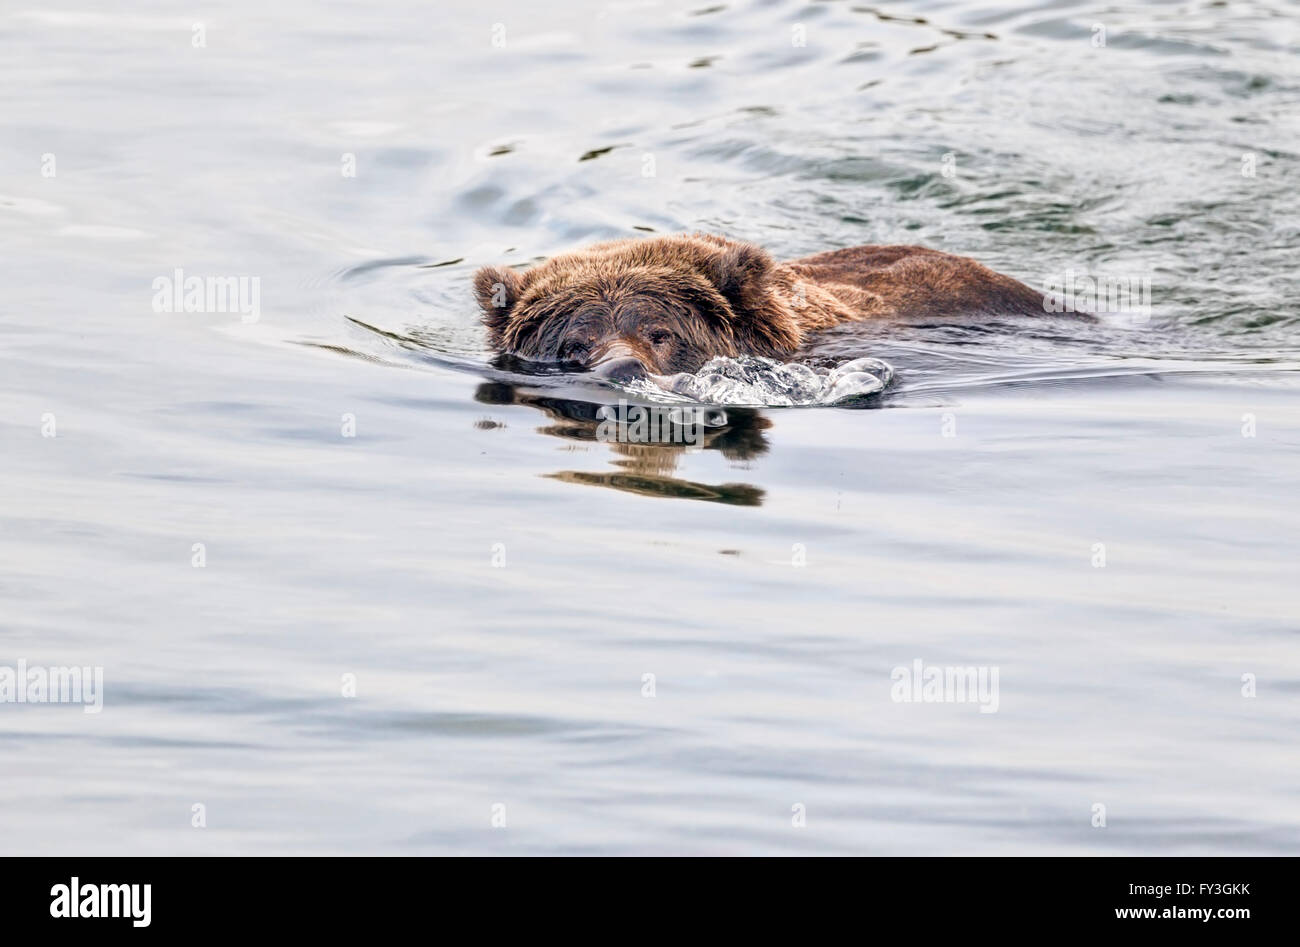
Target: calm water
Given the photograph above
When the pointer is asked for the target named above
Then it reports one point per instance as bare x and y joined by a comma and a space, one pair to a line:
1104, 514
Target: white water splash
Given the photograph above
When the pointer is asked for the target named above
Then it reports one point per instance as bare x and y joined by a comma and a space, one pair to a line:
765, 382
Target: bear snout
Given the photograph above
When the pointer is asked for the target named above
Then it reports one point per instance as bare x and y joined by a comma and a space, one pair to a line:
624, 369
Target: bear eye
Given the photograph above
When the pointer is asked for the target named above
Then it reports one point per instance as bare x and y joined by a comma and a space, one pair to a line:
572, 351
660, 336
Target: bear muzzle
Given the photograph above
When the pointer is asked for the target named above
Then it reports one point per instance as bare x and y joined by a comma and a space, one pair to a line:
620, 369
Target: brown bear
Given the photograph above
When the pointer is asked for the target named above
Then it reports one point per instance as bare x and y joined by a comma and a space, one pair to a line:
664, 305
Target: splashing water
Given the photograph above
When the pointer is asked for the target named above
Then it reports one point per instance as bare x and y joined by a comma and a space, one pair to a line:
765, 382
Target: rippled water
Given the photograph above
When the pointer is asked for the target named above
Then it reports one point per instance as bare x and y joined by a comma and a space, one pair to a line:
1104, 513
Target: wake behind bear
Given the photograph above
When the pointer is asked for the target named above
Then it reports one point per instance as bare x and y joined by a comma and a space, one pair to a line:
665, 305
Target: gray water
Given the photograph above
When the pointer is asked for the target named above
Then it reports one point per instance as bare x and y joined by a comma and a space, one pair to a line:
1104, 514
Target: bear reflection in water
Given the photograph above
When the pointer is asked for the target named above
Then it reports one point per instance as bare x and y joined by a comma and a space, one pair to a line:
648, 441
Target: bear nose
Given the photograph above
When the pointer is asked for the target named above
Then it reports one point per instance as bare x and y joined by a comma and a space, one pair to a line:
620, 369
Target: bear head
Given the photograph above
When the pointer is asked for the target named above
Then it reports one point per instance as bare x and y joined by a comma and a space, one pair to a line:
658, 305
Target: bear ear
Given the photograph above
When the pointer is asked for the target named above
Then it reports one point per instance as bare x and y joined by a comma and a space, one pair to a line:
745, 275
742, 273
497, 289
